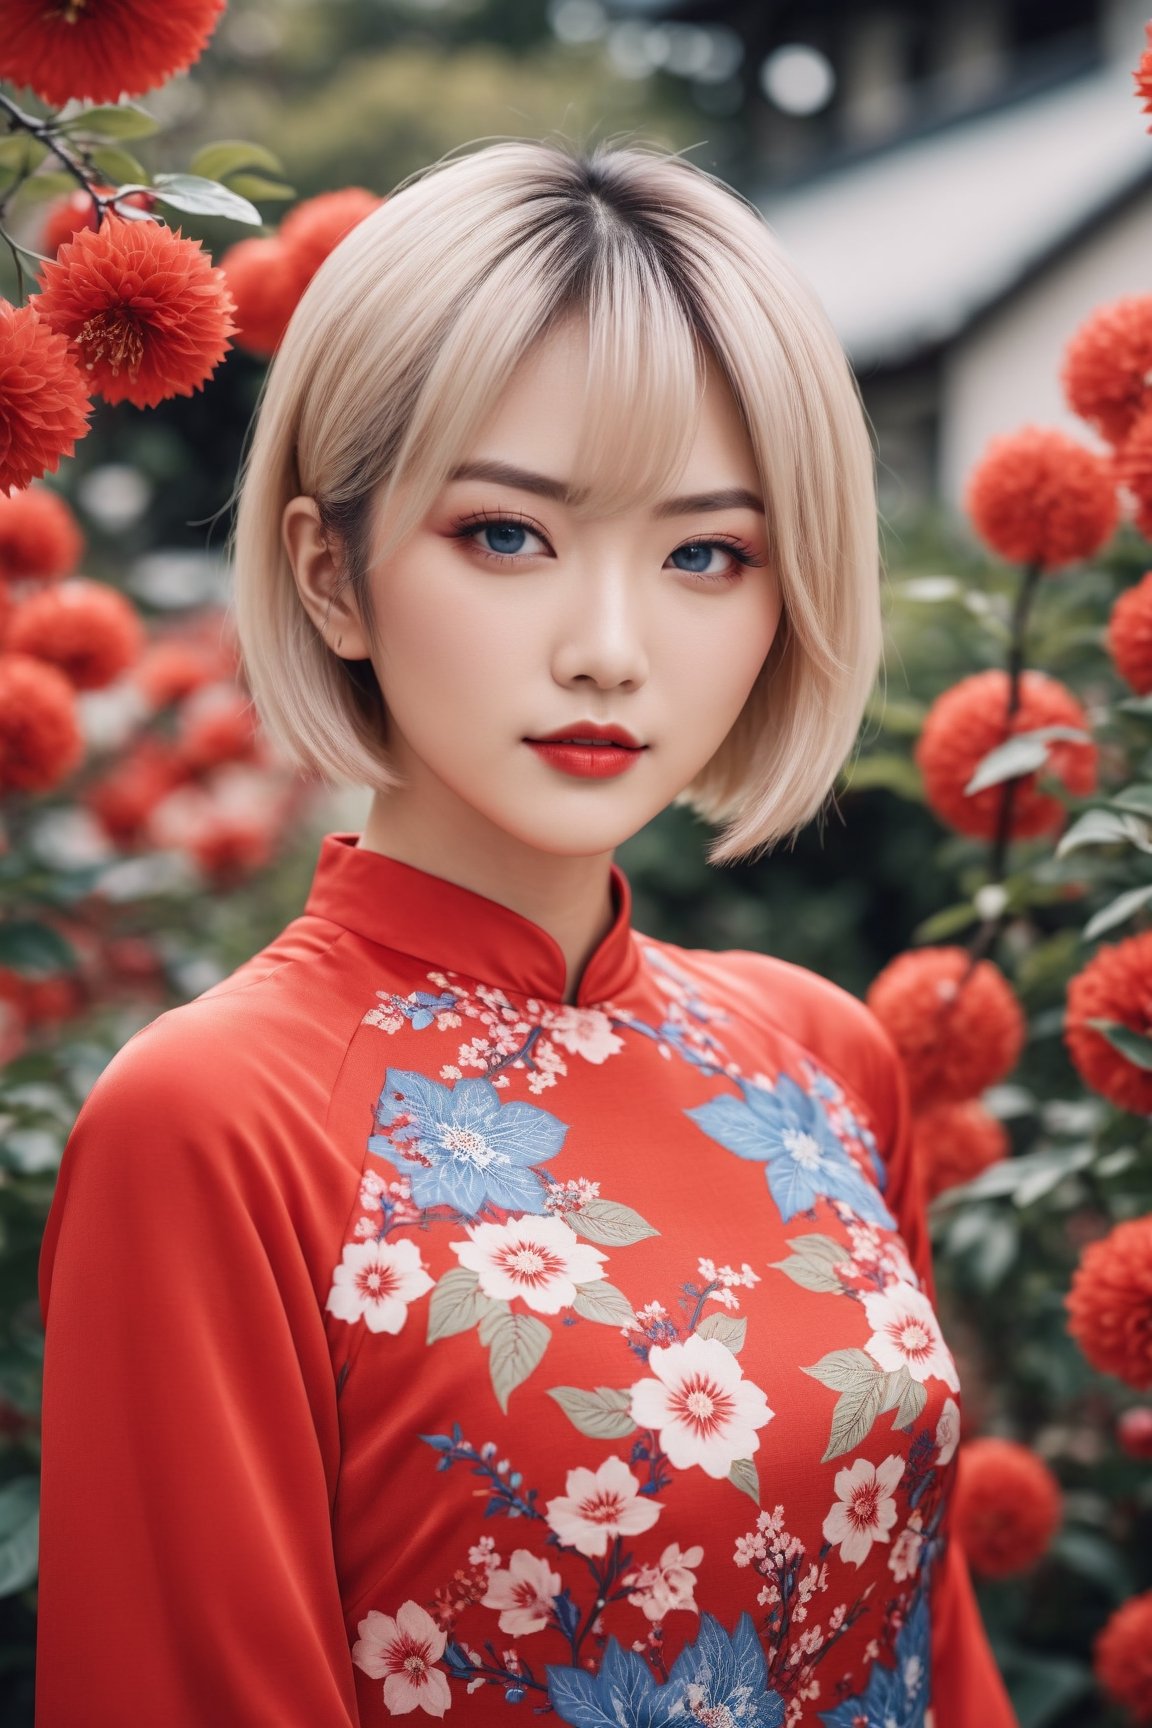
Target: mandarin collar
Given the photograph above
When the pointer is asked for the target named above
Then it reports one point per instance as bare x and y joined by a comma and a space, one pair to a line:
452, 928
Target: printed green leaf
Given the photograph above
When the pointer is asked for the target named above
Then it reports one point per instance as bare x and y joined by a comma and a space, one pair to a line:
845, 1369
913, 1401
745, 1476
609, 1224
811, 1262
856, 1410
730, 1329
897, 1381
601, 1301
516, 1342
457, 1303
605, 1414
204, 197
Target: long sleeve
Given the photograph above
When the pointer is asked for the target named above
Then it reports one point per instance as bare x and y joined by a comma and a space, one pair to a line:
968, 1690
190, 1436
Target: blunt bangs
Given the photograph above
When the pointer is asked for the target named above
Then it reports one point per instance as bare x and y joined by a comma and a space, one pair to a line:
402, 345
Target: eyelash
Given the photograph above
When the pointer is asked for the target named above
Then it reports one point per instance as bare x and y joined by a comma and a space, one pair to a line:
467, 526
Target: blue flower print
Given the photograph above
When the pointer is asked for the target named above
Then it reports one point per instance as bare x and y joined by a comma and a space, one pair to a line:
788, 1130
460, 1146
894, 1697
716, 1679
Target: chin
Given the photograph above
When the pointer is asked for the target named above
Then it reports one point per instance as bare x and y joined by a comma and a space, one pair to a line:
575, 836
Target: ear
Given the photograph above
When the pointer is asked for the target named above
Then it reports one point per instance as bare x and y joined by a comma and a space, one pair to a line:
324, 594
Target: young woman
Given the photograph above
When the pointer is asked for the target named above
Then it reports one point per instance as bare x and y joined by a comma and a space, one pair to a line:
472, 1303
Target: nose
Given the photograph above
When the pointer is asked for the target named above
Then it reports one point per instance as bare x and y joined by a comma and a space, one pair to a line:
600, 641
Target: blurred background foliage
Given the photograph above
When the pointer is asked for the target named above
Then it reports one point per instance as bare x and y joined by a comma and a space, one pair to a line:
363, 92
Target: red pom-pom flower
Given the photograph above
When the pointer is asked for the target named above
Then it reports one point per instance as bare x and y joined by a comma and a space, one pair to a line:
99, 50
147, 314
44, 397
1039, 497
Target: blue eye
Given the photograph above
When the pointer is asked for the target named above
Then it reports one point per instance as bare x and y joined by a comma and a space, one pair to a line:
505, 536
701, 552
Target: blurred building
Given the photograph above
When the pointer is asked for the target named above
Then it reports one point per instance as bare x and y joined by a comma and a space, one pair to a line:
962, 185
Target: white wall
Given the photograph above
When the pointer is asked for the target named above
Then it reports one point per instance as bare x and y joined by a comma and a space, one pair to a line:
1006, 372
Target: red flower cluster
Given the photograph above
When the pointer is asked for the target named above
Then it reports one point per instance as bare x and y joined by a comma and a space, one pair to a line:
90, 631
268, 275
1110, 1303
954, 1040
1122, 1654
1007, 1506
1129, 635
40, 737
1116, 984
40, 539
969, 720
101, 52
1039, 497
952, 1143
44, 404
1105, 369
145, 312
1132, 465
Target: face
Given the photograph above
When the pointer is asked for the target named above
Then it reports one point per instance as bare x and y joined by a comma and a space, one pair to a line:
504, 619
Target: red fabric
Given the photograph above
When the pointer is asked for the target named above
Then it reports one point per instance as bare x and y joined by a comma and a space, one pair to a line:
253, 1509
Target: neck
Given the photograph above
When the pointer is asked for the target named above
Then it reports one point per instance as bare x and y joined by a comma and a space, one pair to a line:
570, 898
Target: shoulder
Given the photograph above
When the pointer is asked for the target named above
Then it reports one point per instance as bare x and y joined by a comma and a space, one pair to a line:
836, 1028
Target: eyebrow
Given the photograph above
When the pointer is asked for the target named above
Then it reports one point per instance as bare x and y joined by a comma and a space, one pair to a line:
504, 474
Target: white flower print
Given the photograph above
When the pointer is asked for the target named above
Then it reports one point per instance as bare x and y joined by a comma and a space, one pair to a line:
948, 1432
906, 1334
375, 1282
865, 1510
700, 1404
523, 1593
904, 1559
402, 1651
667, 1585
600, 1504
585, 1032
538, 1257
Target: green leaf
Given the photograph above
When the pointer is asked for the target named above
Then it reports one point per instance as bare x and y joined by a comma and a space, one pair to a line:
22, 152
844, 1370
204, 197
1104, 828
1136, 704
946, 922
256, 186
1116, 912
51, 185
913, 1397
887, 770
1021, 754
1134, 1045
515, 1342
1136, 797
745, 1476
118, 165
811, 1264
1044, 1688
456, 1304
609, 1224
856, 1410
728, 1329
929, 589
605, 1414
216, 161
19, 1533
27, 946
113, 120
599, 1300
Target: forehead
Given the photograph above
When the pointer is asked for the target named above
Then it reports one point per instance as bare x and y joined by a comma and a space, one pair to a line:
621, 429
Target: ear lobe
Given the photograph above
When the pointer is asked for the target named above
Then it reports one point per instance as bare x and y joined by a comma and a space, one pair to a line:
319, 579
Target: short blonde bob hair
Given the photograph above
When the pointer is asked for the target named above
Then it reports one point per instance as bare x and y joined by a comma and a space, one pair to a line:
398, 351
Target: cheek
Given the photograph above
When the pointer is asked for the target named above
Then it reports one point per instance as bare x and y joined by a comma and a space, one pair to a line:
716, 656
